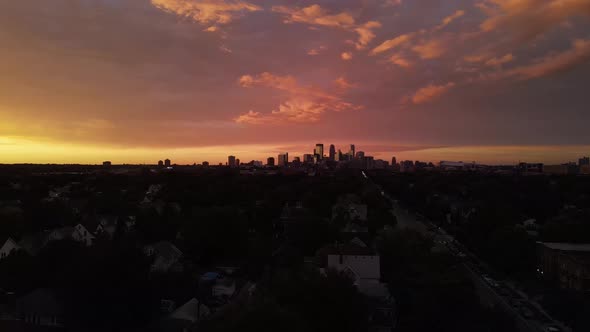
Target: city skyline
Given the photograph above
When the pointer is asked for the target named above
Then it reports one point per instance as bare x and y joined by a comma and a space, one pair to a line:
483, 80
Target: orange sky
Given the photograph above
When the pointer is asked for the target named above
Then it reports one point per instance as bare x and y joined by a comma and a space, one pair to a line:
495, 81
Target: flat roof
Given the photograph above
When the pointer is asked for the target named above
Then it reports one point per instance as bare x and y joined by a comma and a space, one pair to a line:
563, 246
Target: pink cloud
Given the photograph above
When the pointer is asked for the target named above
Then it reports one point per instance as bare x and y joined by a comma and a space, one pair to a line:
431, 92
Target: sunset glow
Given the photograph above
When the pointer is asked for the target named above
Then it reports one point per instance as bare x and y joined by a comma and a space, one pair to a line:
492, 81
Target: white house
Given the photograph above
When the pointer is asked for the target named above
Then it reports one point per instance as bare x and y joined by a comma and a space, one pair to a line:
9, 247
81, 234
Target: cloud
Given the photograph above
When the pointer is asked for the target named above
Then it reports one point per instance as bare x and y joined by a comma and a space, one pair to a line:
316, 16
304, 104
399, 60
392, 43
431, 92
366, 34
527, 19
500, 61
449, 19
316, 51
431, 49
343, 83
554, 63
212, 12
346, 56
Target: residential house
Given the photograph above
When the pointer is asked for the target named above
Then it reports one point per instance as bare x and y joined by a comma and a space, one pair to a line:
184, 317
567, 264
9, 247
83, 235
166, 256
107, 225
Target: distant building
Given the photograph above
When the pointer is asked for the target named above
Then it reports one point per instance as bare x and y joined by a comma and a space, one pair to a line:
284, 159
9, 247
231, 161
107, 164
528, 168
566, 264
319, 151
238, 162
556, 169
393, 161
332, 152
352, 152
206, 164
160, 163
270, 161
167, 163
308, 158
584, 161
360, 155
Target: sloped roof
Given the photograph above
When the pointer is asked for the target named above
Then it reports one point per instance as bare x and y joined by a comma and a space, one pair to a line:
189, 311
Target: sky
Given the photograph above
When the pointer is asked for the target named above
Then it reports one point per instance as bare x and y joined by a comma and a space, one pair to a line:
136, 81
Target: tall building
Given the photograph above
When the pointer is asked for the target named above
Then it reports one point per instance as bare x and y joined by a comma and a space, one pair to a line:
319, 151
352, 152
270, 161
284, 159
167, 163
308, 158
231, 161
160, 163
332, 152
338, 156
360, 155
584, 161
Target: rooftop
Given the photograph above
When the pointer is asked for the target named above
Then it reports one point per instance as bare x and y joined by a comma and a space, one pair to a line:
562, 246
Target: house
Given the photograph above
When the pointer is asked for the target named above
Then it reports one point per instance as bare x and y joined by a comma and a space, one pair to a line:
9, 247
83, 235
41, 307
217, 288
567, 264
165, 256
184, 317
107, 225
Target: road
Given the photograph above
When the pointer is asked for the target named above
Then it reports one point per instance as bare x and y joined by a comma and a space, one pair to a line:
528, 314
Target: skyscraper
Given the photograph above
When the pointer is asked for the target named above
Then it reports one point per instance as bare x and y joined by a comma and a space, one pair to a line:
584, 161
308, 158
332, 152
270, 161
319, 151
167, 163
352, 152
160, 163
393, 161
360, 155
284, 159
231, 161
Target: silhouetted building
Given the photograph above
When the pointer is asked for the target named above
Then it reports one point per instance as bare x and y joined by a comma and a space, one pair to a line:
584, 161
231, 161
308, 158
319, 151
160, 163
360, 155
167, 163
284, 159
270, 161
332, 152
238, 162
106, 163
206, 163
352, 152
393, 161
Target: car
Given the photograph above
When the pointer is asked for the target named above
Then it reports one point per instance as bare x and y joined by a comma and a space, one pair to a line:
552, 329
